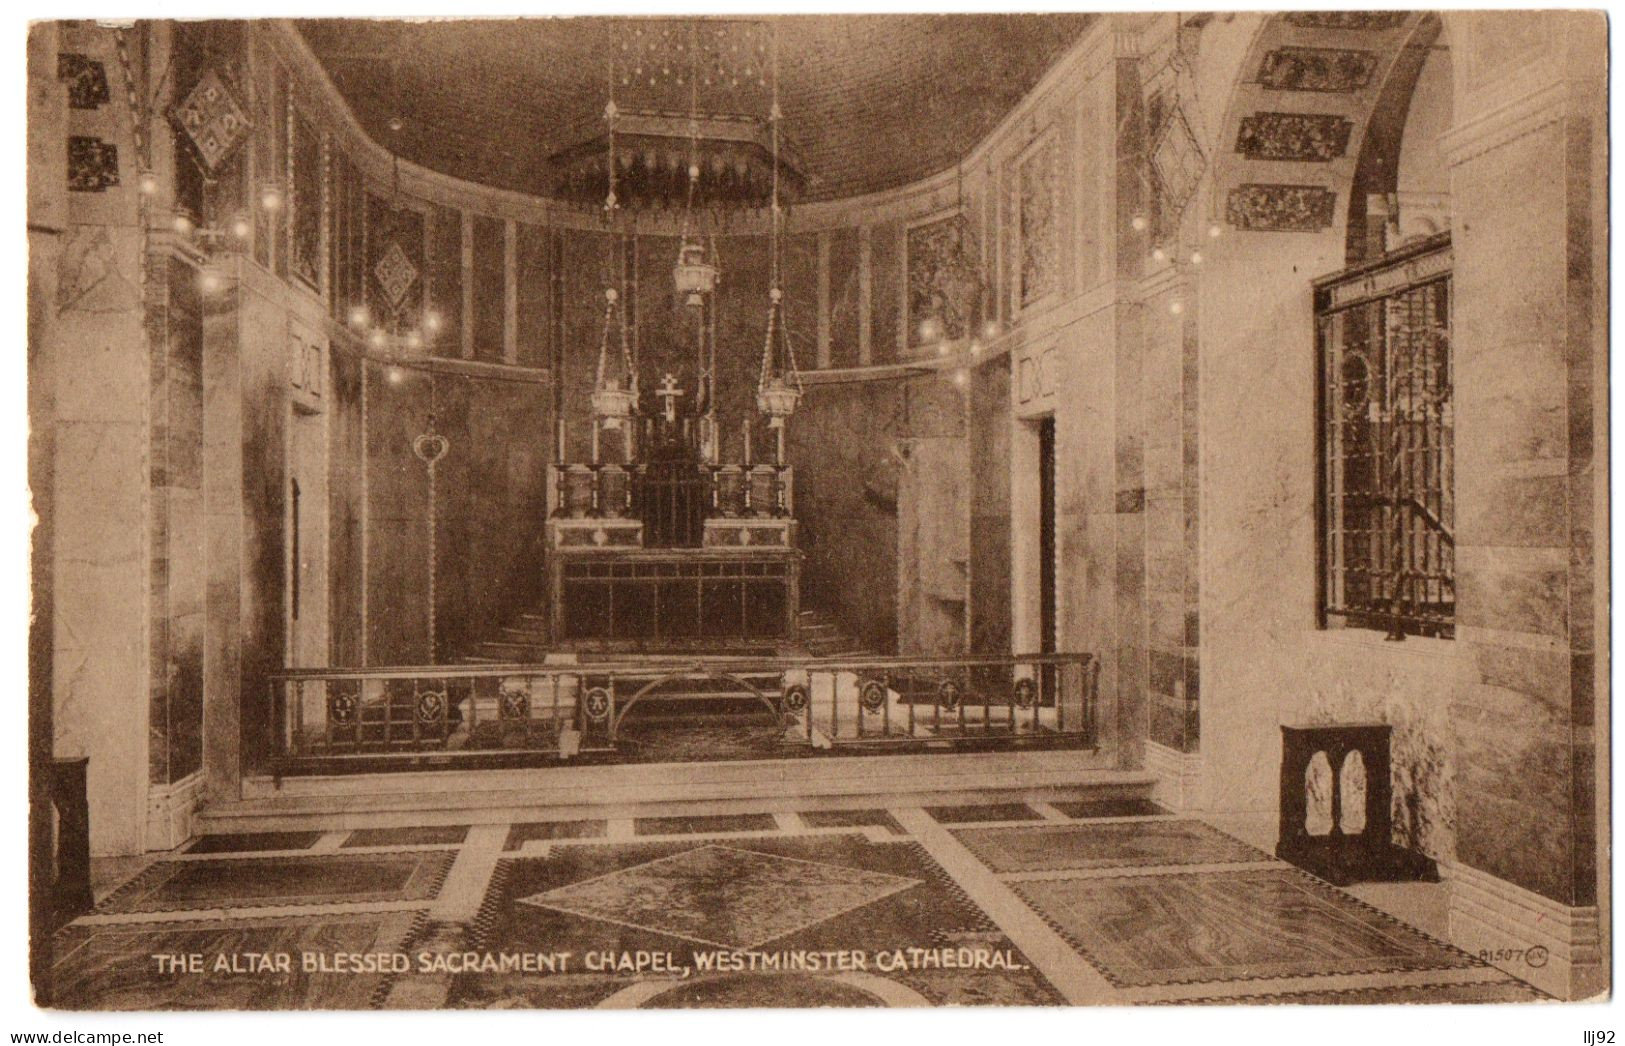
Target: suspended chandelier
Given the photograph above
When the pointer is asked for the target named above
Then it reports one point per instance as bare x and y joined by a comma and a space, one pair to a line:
694, 276
615, 384
716, 155
779, 387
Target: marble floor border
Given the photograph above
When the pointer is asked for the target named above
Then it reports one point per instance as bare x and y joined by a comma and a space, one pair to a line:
873, 833
314, 851
1135, 871
1264, 986
1078, 982
250, 912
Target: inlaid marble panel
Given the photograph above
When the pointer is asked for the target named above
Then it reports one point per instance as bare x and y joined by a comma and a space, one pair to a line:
112, 967
941, 285
781, 895
1280, 208
970, 812
1366, 20
1316, 69
325, 879
1302, 137
1227, 926
1037, 201
1106, 845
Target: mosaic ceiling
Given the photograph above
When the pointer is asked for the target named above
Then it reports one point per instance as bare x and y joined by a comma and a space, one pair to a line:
869, 102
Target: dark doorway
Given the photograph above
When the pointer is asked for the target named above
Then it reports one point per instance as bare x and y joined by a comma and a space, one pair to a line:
1046, 536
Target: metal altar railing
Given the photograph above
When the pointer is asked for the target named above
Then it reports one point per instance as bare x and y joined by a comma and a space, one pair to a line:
329, 720
620, 491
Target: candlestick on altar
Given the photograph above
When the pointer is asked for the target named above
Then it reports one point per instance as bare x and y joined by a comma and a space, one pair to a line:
780, 445
747, 442
560, 438
595, 444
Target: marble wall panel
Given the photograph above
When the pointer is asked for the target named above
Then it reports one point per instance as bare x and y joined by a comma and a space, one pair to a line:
886, 291
844, 297
990, 518
489, 289
534, 283
842, 441
443, 276
345, 512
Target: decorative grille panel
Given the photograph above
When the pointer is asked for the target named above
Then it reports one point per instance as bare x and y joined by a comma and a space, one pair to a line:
1387, 431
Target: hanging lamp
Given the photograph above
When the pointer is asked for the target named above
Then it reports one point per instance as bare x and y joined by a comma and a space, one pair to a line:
614, 393
779, 387
694, 276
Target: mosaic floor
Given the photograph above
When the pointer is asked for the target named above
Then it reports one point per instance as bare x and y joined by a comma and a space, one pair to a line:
1112, 902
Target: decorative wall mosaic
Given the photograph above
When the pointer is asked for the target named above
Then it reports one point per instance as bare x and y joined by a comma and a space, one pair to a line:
1280, 208
92, 164
1376, 20
308, 178
1176, 162
1316, 69
941, 284
1037, 206
1313, 137
212, 119
86, 79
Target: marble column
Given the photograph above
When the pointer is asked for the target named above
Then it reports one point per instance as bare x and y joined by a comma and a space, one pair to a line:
1529, 189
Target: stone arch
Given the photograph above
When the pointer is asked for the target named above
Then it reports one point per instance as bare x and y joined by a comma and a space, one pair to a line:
1315, 120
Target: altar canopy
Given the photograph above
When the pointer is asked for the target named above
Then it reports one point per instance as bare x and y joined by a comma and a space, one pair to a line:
658, 543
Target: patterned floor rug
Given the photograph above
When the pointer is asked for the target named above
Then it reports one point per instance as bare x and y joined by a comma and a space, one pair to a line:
1183, 928
773, 904
172, 886
111, 967
1082, 847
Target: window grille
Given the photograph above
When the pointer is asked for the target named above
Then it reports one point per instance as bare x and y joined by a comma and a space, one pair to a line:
1387, 445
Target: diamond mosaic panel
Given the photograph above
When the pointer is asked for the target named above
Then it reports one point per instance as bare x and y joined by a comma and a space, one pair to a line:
396, 274
212, 118
722, 896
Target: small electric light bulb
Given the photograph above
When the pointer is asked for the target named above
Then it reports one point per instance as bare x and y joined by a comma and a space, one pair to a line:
396, 375
147, 182
271, 198
1139, 223
358, 316
1176, 307
1215, 230
183, 223
431, 321
1196, 257
1159, 255
210, 281
961, 377
241, 227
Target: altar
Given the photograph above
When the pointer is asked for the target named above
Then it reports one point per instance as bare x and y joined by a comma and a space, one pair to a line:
667, 550
657, 543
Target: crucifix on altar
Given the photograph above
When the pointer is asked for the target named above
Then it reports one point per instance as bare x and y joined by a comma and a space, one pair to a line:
669, 392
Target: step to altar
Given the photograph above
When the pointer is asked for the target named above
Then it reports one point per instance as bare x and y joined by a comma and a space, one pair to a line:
387, 800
